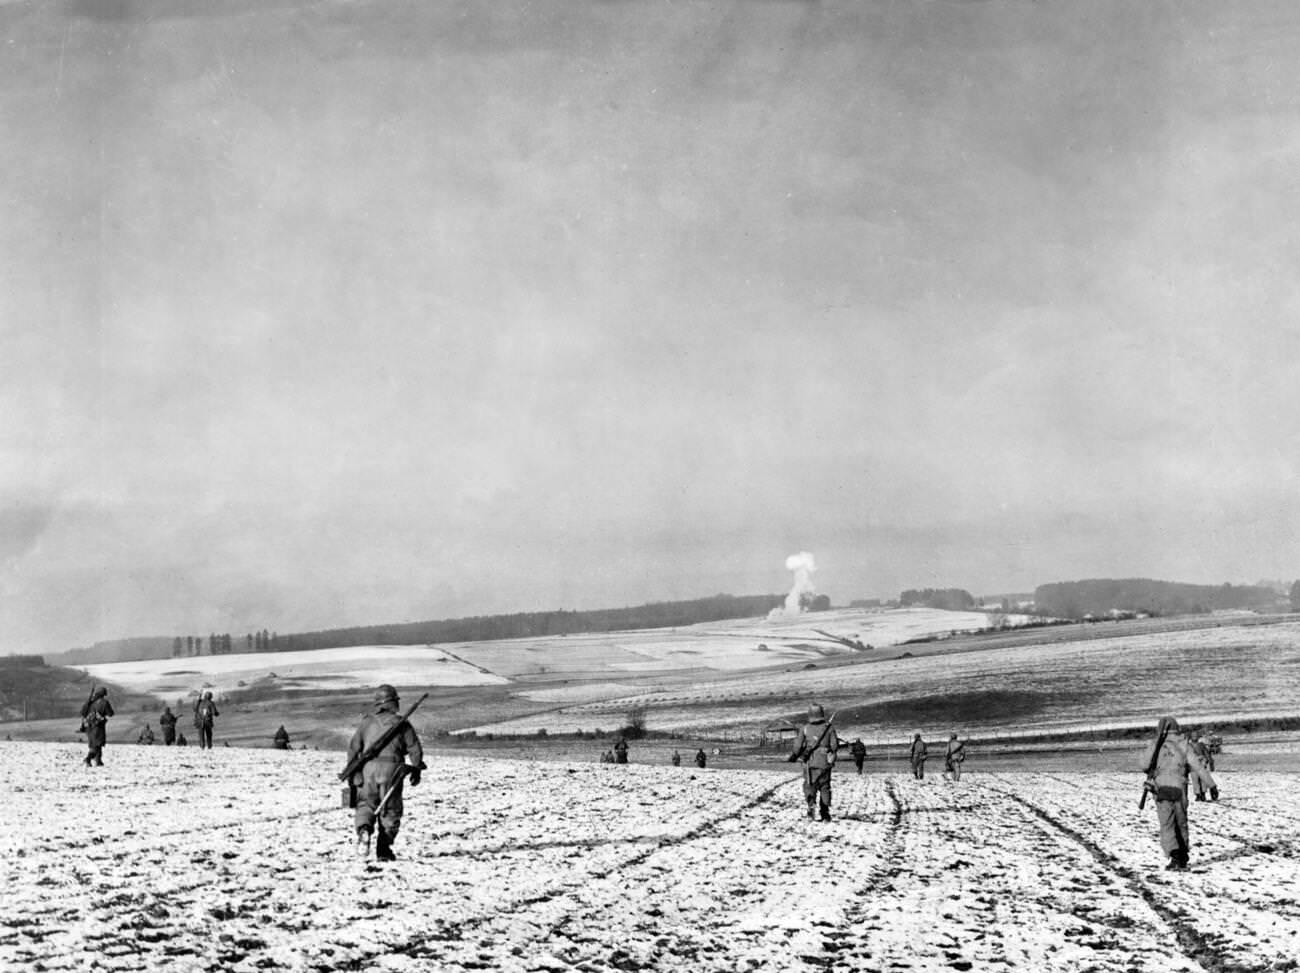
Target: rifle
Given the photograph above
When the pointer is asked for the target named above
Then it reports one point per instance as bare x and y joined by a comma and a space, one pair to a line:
361, 759
1151, 767
85, 710
396, 779
810, 750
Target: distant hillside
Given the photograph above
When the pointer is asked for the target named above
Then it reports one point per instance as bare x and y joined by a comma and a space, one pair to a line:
666, 614
30, 689
1099, 596
116, 650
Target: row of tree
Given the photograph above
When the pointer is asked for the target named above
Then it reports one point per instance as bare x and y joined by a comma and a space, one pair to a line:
1101, 596
948, 599
668, 614
262, 641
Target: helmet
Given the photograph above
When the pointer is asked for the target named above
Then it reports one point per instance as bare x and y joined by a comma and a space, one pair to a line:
385, 693
208, 694
101, 691
815, 713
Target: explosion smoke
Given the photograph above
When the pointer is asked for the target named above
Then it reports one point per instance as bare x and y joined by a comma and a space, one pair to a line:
803, 565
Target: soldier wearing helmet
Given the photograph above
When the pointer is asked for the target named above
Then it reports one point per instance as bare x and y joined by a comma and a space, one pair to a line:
94, 720
918, 755
379, 788
816, 745
205, 711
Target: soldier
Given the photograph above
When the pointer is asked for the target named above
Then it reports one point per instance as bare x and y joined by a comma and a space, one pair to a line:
205, 711
95, 713
1167, 771
816, 745
281, 739
379, 787
146, 736
859, 753
953, 757
918, 757
168, 723
1203, 754
701, 758
180, 740
677, 759
620, 751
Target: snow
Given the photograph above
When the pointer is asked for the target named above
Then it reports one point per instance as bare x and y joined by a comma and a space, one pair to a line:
344, 668
241, 860
1205, 675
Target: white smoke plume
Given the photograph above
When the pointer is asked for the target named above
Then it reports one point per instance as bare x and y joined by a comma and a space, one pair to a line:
803, 566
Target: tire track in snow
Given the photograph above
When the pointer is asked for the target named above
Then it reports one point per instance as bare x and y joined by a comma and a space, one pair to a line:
431, 945
1194, 945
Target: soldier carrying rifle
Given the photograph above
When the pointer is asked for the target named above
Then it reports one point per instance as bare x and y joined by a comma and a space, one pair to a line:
1168, 765
383, 751
817, 745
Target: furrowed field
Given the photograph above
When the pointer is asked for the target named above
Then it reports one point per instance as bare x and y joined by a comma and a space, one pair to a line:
241, 860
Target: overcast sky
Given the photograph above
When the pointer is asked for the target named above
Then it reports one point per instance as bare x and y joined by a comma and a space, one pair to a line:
315, 314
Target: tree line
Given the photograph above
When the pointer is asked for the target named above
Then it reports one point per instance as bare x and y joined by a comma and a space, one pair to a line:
668, 614
187, 645
1100, 596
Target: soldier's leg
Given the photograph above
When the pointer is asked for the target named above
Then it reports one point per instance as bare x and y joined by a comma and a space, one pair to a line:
809, 792
390, 820
1181, 836
368, 797
1172, 814
824, 795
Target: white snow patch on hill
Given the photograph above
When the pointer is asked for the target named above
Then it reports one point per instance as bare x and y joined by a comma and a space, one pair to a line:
343, 668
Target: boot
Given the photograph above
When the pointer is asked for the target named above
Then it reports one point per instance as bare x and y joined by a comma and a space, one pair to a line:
812, 815
363, 843
825, 812
384, 847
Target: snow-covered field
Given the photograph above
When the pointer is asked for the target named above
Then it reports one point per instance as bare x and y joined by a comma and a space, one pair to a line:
186, 860
1203, 675
365, 665
718, 647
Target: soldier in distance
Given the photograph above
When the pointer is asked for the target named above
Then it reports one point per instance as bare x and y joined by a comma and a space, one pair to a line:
918, 755
701, 758
953, 757
146, 736
858, 750
816, 745
205, 712
168, 724
94, 714
281, 739
382, 776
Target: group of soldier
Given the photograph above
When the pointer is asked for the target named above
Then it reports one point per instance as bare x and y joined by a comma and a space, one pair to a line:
1175, 759
953, 757
97, 710
618, 755
385, 750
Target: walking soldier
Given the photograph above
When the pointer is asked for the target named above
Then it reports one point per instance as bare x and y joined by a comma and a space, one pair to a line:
383, 751
816, 745
94, 717
205, 711
168, 723
859, 752
1168, 765
953, 757
918, 756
